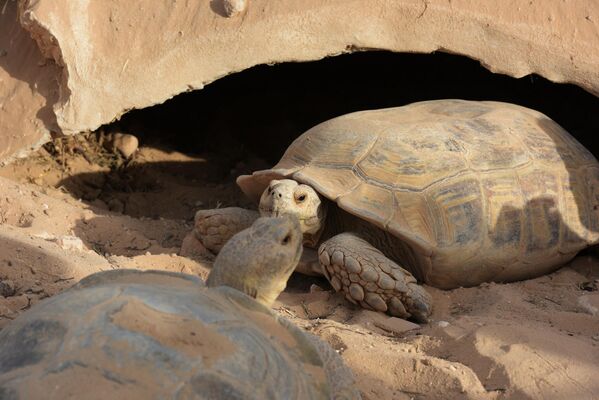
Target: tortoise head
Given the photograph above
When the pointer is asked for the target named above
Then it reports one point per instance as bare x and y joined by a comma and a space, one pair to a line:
259, 260
288, 197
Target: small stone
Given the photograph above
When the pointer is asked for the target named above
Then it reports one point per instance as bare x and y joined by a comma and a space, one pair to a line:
315, 289
373, 320
26, 220
7, 288
234, 7
45, 236
589, 303
443, 324
71, 243
18, 302
124, 143
36, 289
588, 286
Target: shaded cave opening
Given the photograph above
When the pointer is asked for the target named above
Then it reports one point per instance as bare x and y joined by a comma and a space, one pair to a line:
246, 120
263, 109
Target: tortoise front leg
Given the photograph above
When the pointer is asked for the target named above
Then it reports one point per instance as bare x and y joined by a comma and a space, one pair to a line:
213, 228
309, 263
371, 280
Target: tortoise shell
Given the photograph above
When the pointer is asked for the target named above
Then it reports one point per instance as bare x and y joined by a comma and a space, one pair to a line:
479, 190
161, 335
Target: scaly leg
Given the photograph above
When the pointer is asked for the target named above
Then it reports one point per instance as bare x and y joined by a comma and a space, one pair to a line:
371, 280
213, 228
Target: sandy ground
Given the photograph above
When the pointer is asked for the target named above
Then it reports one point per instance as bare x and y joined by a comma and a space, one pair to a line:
71, 210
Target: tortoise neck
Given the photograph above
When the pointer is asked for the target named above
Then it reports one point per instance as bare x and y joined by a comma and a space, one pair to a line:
312, 240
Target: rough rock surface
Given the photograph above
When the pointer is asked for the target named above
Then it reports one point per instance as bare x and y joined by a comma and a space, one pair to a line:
118, 55
28, 88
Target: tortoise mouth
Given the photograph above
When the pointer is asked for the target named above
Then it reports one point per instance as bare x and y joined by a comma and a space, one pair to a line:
267, 210
275, 213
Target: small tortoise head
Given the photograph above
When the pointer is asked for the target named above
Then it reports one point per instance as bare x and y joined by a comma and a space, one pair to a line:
259, 260
288, 197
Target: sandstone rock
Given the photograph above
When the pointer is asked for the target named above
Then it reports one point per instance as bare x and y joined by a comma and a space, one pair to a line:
28, 88
116, 56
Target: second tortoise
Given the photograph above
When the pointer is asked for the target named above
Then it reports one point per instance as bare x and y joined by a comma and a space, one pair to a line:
130, 334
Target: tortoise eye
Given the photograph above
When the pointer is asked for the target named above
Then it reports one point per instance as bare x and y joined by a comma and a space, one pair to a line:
301, 198
286, 239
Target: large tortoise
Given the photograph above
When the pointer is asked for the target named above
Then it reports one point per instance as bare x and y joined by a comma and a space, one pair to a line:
127, 334
456, 192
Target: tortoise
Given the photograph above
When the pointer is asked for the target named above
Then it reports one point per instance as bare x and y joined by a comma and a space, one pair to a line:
164, 335
449, 193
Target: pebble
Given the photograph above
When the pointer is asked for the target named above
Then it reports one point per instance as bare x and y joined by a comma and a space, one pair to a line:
234, 7
7, 288
589, 303
45, 236
36, 289
373, 319
124, 143
443, 324
315, 288
71, 243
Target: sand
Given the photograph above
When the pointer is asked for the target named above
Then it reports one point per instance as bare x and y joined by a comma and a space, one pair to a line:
65, 214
